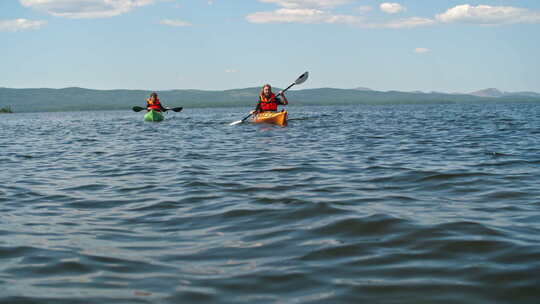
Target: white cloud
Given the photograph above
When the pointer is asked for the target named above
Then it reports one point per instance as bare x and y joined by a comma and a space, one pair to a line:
400, 23
175, 23
489, 15
78, 9
307, 3
421, 50
285, 15
303, 11
20, 25
231, 71
392, 8
409, 23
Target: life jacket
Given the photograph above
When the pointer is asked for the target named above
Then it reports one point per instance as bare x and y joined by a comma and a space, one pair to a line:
268, 104
153, 105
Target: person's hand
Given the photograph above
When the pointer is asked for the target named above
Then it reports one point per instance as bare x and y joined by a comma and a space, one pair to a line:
252, 112
280, 93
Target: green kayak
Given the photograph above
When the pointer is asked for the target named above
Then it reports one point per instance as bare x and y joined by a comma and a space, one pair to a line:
153, 115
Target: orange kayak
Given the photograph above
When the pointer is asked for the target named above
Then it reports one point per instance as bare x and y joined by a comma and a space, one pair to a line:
275, 118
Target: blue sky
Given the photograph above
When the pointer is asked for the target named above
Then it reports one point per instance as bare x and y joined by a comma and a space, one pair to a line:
406, 45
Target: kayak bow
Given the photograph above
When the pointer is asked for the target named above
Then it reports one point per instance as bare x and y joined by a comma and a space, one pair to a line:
275, 118
153, 115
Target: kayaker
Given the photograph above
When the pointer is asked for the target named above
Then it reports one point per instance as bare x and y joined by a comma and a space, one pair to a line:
268, 101
153, 103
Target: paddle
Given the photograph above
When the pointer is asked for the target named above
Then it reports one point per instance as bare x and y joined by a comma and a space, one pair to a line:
138, 109
299, 80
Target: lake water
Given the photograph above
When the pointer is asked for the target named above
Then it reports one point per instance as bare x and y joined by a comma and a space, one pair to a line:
347, 204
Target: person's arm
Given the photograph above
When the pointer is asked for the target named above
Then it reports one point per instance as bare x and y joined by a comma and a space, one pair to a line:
257, 108
283, 101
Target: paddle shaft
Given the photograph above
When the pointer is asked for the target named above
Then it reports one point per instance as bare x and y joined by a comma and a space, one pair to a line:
138, 109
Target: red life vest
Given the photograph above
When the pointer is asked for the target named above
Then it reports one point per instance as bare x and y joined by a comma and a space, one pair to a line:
268, 104
153, 105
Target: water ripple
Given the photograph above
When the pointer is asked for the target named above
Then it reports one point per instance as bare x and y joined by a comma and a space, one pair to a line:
348, 204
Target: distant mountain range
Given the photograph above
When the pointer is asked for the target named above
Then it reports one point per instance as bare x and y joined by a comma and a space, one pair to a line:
75, 99
494, 93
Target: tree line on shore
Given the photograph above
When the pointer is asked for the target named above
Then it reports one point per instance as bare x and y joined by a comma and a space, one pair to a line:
80, 99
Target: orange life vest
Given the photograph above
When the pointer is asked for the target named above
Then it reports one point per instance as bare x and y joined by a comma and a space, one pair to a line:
153, 105
268, 104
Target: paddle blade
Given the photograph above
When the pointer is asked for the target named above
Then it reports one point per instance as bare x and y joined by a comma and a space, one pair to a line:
302, 78
173, 109
138, 109
241, 121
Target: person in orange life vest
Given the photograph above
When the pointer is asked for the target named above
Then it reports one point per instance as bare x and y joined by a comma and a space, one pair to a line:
268, 100
153, 103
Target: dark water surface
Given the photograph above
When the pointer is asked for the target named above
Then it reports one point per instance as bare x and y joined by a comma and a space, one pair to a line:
350, 204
